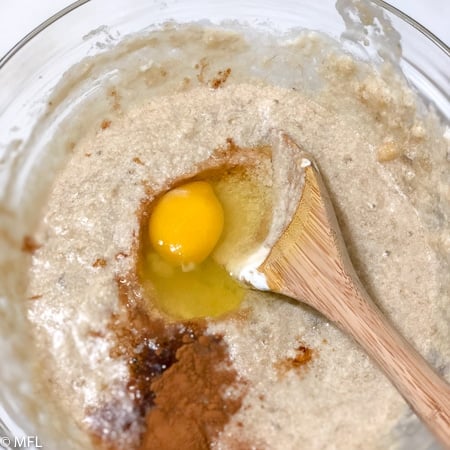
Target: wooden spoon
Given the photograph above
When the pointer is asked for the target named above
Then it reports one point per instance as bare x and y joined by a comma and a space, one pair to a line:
309, 263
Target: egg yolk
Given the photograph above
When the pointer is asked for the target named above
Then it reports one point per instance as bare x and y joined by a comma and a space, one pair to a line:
186, 224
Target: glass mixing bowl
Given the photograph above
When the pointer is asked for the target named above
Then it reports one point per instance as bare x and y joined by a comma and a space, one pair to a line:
29, 74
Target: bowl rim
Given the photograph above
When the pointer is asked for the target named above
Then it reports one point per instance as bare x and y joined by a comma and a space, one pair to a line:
63, 12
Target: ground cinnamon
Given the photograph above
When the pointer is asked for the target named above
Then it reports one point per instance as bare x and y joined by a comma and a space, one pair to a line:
179, 381
191, 407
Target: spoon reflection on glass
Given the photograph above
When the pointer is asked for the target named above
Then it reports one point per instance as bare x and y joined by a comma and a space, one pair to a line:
309, 262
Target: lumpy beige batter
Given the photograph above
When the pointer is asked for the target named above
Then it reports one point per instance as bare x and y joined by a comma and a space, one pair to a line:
163, 116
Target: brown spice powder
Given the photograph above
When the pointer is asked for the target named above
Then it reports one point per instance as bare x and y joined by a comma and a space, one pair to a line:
99, 262
303, 356
105, 124
220, 79
29, 244
179, 380
190, 402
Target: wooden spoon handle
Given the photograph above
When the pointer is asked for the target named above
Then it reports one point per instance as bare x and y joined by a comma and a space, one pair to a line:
310, 263
351, 308
426, 392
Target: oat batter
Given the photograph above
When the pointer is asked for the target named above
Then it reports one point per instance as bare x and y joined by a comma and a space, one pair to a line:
165, 115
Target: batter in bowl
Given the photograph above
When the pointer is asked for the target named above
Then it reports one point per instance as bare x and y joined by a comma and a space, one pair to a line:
189, 102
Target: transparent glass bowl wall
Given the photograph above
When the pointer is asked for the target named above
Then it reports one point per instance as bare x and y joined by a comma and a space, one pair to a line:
30, 72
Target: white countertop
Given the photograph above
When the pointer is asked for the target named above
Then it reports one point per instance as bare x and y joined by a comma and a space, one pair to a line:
19, 17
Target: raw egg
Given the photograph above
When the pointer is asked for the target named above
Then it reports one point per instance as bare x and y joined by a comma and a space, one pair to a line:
193, 230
